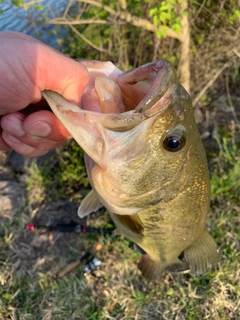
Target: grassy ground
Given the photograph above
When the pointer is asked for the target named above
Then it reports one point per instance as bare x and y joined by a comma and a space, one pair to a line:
29, 261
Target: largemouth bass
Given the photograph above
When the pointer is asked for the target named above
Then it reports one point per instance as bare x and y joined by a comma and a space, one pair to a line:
145, 162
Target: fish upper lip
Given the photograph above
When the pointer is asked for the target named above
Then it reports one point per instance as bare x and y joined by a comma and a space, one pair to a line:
164, 78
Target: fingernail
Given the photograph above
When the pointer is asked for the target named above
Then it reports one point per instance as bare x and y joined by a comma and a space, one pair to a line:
8, 138
39, 129
13, 125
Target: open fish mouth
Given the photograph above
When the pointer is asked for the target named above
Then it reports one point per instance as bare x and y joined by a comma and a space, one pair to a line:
126, 99
118, 92
118, 102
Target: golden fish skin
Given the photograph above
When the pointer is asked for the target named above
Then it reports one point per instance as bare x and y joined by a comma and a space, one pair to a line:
145, 162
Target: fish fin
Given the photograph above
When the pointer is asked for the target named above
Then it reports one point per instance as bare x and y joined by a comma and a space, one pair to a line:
90, 203
202, 254
178, 267
131, 222
150, 269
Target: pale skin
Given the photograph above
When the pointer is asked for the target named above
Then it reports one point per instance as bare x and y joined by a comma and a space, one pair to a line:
27, 67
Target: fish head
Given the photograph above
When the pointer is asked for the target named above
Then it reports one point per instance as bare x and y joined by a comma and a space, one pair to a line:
140, 135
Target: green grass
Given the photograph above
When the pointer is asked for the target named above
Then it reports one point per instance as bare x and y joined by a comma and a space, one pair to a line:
225, 180
59, 177
30, 290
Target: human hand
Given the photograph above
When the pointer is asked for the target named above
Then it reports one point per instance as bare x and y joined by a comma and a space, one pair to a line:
27, 67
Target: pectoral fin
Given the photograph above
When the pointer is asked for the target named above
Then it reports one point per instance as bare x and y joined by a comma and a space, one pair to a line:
90, 203
202, 254
130, 222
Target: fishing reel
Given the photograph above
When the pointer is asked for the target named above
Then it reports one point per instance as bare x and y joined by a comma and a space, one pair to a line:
92, 265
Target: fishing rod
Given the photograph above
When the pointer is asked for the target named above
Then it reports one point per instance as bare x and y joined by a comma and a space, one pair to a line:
61, 227
92, 262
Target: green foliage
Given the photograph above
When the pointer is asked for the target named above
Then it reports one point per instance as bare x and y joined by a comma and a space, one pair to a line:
72, 170
18, 3
35, 184
234, 16
59, 177
36, 7
123, 44
165, 17
1, 10
218, 14
225, 180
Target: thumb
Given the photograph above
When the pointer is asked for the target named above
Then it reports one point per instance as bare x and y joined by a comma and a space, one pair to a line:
59, 73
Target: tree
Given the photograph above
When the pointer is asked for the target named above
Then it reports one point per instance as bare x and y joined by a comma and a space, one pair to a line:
167, 19
201, 36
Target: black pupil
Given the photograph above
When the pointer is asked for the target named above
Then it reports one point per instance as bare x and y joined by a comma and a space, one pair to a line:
173, 143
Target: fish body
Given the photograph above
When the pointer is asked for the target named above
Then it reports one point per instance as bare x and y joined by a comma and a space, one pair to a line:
145, 162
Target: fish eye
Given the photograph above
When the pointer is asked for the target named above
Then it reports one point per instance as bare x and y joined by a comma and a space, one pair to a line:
174, 141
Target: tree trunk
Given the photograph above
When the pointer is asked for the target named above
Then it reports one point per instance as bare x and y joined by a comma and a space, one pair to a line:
184, 63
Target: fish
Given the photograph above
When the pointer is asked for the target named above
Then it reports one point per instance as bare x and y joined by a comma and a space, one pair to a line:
145, 162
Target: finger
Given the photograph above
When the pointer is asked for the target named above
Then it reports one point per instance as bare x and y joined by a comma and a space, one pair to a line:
29, 67
23, 148
16, 35
44, 124
13, 133
63, 75
12, 124
34, 134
